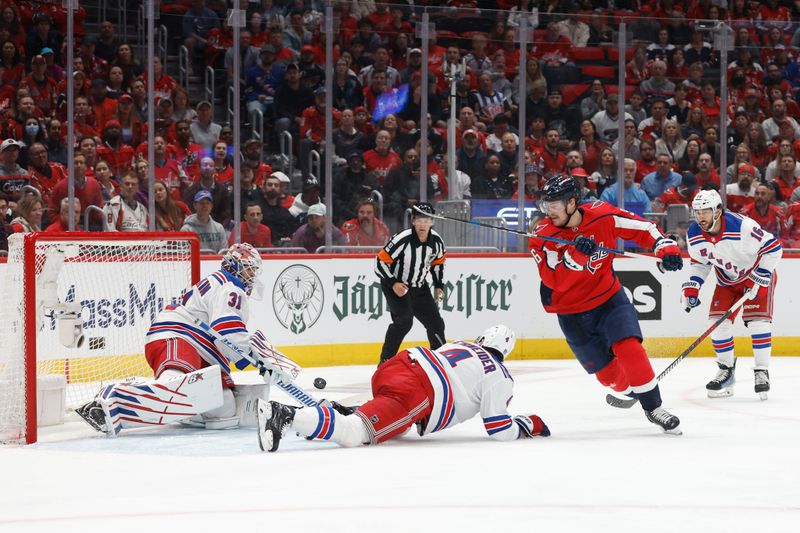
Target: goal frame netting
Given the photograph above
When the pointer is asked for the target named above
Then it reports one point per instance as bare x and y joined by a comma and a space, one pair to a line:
30, 270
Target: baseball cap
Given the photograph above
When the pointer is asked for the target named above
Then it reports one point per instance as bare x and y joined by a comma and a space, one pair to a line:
46, 50
292, 66
268, 49
689, 181
38, 59
310, 184
283, 178
579, 171
613, 97
112, 122
204, 103
317, 210
414, 51
747, 167
360, 108
319, 90
307, 48
356, 153
203, 194
9, 143
469, 132
125, 96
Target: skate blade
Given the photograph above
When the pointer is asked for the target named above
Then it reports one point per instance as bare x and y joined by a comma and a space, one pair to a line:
674, 431
722, 393
762, 396
263, 414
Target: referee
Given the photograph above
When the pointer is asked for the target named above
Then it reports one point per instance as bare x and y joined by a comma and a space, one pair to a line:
403, 267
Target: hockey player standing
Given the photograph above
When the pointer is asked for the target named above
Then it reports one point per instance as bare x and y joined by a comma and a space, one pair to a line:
744, 257
192, 373
580, 286
436, 389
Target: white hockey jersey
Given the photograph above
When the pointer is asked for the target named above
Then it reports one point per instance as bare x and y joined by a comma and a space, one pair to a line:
740, 246
467, 380
122, 217
218, 300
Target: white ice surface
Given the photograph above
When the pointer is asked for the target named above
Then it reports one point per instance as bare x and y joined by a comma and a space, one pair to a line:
736, 468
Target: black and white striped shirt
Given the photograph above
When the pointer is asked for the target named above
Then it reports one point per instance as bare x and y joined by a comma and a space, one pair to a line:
407, 260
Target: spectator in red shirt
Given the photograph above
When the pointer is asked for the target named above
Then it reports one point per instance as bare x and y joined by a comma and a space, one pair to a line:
768, 216
786, 180
380, 160
555, 51
647, 159
113, 151
187, 152
683, 193
43, 174
740, 194
103, 107
707, 176
86, 189
554, 161
792, 223
376, 88
83, 129
12, 70
252, 230
40, 86
365, 229
62, 222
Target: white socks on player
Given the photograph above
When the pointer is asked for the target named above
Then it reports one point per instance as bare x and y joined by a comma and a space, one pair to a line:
324, 423
761, 335
722, 340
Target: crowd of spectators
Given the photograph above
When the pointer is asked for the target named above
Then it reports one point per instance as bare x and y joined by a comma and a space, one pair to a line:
672, 114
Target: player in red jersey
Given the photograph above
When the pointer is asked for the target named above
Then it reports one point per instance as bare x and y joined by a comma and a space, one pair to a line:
580, 286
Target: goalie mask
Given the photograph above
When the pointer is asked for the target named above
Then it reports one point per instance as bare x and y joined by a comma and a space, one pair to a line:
244, 263
500, 339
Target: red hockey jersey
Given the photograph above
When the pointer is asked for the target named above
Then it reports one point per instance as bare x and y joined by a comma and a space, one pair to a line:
567, 291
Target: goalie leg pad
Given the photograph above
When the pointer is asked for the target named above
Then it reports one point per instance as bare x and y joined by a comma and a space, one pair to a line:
160, 402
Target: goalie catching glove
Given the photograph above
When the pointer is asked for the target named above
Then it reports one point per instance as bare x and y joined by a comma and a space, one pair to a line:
531, 426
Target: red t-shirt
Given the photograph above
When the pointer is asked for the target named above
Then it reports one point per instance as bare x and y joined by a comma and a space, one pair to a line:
381, 165
262, 238
771, 221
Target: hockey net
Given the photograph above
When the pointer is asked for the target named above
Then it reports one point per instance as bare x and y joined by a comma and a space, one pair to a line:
117, 282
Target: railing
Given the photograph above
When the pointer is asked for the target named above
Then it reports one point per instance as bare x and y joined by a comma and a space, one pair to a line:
91, 209
483, 236
183, 66
314, 165
161, 41
452, 232
210, 85
337, 249
282, 250
257, 122
285, 157
378, 198
229, 104
141, 27
122, 17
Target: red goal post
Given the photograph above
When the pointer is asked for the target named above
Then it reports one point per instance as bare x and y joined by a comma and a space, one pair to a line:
116, 282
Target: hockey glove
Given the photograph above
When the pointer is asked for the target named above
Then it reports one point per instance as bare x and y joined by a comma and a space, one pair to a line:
578, 256
758, 278
691, 294
667, 250
531, 426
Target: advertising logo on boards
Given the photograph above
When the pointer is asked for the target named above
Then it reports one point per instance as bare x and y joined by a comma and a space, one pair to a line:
297, 298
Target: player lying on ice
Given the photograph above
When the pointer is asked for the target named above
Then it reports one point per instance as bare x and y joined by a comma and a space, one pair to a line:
434, 389
578, 283
192, 376
744, 257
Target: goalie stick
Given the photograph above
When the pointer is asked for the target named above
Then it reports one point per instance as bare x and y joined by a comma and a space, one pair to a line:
536, 235
285, 380
627, 403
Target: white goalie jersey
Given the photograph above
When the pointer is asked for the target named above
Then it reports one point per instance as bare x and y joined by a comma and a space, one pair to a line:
740, 246
218, 300
467, 380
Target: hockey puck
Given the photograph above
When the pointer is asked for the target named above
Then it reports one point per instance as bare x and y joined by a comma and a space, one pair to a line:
320, 383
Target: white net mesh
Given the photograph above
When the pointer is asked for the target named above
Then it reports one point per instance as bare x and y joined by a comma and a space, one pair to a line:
120, 286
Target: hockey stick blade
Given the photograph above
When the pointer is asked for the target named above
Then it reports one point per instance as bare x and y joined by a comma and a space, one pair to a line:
615, 401
620, 403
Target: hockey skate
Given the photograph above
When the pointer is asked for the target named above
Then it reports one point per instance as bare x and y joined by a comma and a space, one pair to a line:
666, 421
762, 383
273, 418
95, 414
722, 385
